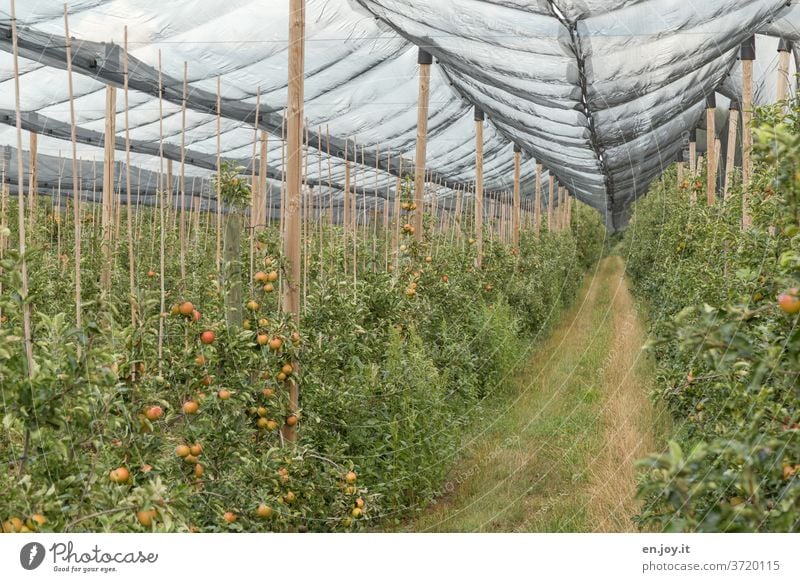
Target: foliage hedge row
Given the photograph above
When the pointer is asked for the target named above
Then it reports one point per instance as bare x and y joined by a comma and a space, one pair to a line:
728, 356
393, 367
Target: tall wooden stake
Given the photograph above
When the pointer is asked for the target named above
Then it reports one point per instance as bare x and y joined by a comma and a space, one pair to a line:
33, 181
294, 171
330, 175
733, 132
219, 176
168, 190
551, 202
162, 215
711, 148
425, 60
26, 307
108, 186
255, 191
517, 162
261, 209
254, 218
479, 119
748, 55
131, 271
569, 211
185, 96
346, 217
537, 204
76, 192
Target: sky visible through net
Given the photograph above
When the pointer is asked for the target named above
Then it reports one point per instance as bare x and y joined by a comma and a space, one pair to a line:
602, 93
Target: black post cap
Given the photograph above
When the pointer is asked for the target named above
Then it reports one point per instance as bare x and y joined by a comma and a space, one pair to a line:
785, 46
479, 114
735, 105
711, 101
693, 134
517, 149
424, 57
748, 50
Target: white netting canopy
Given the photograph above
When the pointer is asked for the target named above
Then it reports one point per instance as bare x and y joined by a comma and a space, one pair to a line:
603, 93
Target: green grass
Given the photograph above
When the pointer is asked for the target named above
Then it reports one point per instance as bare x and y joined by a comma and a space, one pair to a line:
537, 462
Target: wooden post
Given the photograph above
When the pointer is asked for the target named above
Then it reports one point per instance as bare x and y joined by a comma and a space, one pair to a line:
537, 203
733, 132
262, 184
162, 216
748, 55
398, 190
305, 217
457, 217
479, 119
219, 176
4, 195
386, 228
556, 203
491, 215
680, 169
557, 208
330, 175
76, 193
550, 202
500, 205
711, 148
364, 196
168, 193
346, 217
425, 60
693, 154
784, 58
108, 185
254, 182
185, 96
386, 200
33, 180
515, 226
255, 193
26, 309
693, 196
117, 208
129, 213
294, 170
197, 204
569, 211
282, 215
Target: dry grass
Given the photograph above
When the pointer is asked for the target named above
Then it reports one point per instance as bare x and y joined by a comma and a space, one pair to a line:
628, 417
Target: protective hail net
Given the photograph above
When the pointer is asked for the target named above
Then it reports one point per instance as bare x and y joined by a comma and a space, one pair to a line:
603, 93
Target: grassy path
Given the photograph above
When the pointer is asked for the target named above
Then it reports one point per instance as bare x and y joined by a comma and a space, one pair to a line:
559, 455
